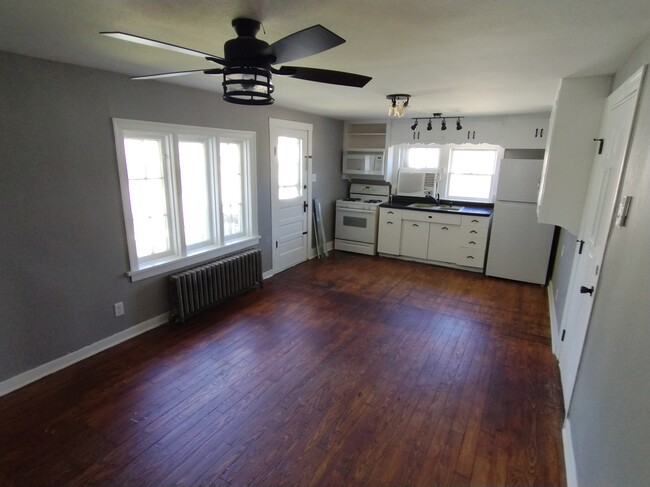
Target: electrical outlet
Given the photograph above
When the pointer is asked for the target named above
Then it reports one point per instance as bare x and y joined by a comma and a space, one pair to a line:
119, 308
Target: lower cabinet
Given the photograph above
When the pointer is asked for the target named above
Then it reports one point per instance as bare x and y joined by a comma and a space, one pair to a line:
436, 237
443, 242
390, 231
415, 239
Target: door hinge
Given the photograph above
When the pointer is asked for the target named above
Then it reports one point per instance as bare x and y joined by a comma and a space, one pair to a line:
563, 333
276, 244
582, 244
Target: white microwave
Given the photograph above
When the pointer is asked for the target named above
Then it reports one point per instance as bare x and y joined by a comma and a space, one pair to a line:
364, 163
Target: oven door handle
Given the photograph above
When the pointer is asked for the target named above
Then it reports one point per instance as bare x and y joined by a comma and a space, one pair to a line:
352, 210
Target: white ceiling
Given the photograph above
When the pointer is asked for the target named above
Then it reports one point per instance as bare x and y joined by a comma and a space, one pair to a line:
458, 57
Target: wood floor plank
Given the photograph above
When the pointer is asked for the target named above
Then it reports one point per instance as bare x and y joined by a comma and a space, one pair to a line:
351, 370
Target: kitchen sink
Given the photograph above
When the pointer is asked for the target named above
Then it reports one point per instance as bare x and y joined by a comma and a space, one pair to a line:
432, 206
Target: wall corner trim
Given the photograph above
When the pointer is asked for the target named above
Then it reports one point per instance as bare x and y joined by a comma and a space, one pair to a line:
55, 365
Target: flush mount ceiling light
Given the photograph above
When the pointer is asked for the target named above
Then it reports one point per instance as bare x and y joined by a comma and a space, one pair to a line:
398, 105
437, 116
248, 62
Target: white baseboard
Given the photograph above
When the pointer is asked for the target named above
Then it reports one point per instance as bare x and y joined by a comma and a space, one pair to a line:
569, 458
33, 375
552, 313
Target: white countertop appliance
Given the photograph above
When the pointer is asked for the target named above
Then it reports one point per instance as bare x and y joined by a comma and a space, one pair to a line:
357, 216
519, 246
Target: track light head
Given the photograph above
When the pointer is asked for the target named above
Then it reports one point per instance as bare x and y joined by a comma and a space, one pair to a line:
458, 125
443, 125
415, 124
429, 127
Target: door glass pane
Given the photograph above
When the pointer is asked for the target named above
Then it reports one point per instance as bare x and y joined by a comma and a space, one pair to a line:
231, 188
145, 172
289, 167
195, 190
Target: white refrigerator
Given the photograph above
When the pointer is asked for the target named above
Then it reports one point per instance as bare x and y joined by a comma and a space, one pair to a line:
519, 246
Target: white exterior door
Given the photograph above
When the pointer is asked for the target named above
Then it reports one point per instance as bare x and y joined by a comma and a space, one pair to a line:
290, 193
595, 228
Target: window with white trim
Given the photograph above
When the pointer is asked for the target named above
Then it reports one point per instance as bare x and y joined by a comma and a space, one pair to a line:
465, 174
187, 193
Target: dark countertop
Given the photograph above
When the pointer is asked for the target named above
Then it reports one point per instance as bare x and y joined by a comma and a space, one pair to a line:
476, 209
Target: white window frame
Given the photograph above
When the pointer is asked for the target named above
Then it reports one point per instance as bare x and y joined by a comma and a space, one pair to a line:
180, 255
444, 166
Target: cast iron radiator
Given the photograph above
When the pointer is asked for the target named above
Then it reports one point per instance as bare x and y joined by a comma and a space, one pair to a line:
199, 288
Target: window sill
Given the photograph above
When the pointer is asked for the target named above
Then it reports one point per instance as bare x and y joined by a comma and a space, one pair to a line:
176, 263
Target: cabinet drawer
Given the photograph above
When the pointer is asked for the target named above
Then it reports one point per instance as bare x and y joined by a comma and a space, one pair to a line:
470, 257
473, 243
473, 232
390, 215
476, 221
431, 217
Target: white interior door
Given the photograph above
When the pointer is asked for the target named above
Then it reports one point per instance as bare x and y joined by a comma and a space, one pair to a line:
596, 224
291, 190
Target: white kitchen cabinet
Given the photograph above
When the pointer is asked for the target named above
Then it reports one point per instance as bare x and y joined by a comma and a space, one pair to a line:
472, 241
479, 131
575, 122
365, 136
525, 132
443, 242
474, 131
415, 239
390, 231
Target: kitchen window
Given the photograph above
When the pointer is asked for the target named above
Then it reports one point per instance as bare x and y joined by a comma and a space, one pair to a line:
466, 174
471, 174
187, 193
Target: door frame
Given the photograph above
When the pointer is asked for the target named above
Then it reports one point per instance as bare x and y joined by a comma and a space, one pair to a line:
631, 87
275, 124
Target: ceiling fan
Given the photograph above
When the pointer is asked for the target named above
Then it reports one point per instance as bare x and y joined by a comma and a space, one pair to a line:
248, 62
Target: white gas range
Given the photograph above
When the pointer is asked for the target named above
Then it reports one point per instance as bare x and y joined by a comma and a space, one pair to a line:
357, 217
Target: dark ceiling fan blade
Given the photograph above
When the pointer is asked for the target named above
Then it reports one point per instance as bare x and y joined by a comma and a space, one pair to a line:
324, 76
178, 73
162, 45
303, 43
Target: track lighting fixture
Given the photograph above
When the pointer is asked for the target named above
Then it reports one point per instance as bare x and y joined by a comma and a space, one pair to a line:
398, 105
437, 116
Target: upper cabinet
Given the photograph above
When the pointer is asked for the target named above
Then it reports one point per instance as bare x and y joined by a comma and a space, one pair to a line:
365, 136
575, 122
525, 132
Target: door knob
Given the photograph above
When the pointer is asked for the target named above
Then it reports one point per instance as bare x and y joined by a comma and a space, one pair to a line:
586, 290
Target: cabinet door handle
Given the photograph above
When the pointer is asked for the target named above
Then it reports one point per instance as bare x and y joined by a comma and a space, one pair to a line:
471, 242
536, 132
541, 132
470, 257
473, 231
390, 213
389, 223
474, 221
415, 225
445, 228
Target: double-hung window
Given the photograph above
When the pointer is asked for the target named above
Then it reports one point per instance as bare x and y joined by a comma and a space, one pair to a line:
187, 193
467, 174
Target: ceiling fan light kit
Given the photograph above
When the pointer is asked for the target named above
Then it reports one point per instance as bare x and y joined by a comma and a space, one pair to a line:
398, 104
248, 62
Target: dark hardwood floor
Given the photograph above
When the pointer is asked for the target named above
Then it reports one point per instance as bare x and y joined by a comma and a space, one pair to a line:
351, 370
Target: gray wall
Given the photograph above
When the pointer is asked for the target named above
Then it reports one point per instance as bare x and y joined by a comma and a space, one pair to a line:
610, 410
63, 244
